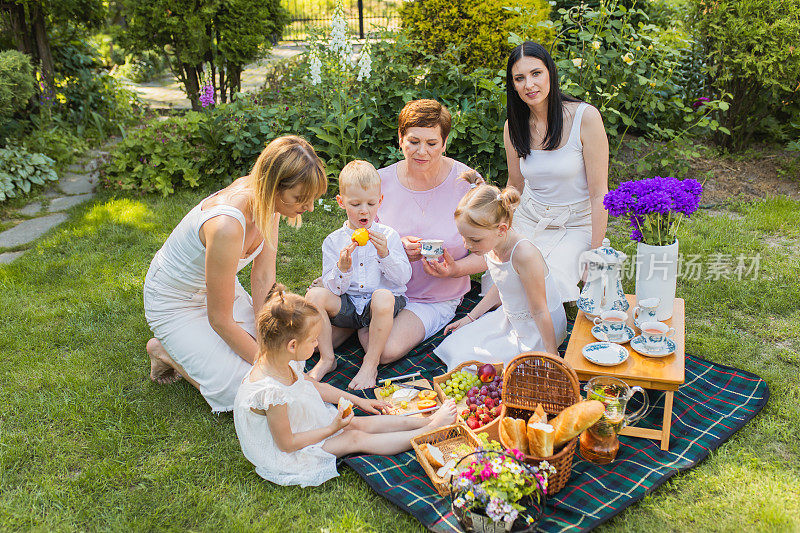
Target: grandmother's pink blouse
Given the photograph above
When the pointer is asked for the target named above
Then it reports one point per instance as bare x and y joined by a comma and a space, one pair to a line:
428, 215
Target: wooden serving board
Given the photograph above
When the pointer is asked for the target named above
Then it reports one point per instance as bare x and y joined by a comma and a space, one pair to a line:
397, 408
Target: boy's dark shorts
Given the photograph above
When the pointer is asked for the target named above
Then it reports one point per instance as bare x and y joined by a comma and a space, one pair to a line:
349, 318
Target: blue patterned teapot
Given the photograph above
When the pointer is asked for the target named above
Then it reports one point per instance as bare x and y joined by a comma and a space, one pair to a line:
602, 290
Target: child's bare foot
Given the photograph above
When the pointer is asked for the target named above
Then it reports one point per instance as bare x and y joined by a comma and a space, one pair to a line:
161, 371
323, 367
365, 379
444, 416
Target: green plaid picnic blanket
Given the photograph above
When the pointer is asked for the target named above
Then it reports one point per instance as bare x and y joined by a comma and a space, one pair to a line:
715, 402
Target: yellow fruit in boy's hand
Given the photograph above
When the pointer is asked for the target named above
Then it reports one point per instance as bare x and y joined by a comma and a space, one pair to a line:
361, 236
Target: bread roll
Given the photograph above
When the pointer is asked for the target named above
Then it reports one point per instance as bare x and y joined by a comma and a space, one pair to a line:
347, 405
513, 433
538, 415
433, 455
540, 439
574, 419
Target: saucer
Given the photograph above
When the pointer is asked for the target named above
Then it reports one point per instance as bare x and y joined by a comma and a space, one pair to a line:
605, 353
638, 344
598, 333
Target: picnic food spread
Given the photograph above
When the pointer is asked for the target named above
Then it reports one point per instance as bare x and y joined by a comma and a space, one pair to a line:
477, 388
408, 397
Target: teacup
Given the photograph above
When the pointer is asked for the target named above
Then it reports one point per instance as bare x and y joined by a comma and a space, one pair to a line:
612, 323
432, 248
655, 335
645, 311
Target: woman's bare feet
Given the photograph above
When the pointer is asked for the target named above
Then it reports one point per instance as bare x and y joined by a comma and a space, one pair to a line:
444, 416
161, 371
323, 367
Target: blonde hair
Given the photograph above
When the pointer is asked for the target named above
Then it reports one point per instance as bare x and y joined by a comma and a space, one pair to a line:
284, 316
360, 173
286, 162
425, 114
486, 206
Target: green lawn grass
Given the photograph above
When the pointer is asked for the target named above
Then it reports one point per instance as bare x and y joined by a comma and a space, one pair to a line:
88, 443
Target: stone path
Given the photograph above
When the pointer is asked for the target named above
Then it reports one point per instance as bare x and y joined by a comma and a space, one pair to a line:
167, 92
77, 184
74, 187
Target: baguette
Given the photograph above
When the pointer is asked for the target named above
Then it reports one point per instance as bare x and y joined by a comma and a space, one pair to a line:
538, 415
575, 419
512, 431
540, 439
433, 455
347, 405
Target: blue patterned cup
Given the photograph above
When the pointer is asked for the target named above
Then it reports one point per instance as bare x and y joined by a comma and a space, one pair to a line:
612, 323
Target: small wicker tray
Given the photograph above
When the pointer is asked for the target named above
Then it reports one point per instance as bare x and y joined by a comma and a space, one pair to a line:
492, 429
448, 439
539, 378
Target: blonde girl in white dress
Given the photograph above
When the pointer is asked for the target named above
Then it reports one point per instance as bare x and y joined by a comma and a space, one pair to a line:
531, 315
203, 320
288, 426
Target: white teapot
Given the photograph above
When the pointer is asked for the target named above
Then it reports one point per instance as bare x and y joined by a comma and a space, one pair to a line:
602, 290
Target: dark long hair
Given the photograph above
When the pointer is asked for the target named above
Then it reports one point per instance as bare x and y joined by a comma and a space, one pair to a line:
518, 113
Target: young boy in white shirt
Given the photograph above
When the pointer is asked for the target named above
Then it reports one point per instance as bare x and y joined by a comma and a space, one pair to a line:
363, 285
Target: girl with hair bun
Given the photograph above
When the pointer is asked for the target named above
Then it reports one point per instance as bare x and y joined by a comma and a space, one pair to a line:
293, 429
530, 316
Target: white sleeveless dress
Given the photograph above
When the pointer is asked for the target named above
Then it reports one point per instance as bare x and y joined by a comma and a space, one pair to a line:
554, 211
176, 309
502, 334
307, 411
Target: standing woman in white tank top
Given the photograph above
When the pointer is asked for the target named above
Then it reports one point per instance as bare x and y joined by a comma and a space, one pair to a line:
557, 154
203, 320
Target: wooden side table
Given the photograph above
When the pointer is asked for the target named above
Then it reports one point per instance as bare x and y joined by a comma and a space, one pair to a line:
659, 373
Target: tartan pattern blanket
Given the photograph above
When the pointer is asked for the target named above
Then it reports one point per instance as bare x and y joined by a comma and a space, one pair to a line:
715, 402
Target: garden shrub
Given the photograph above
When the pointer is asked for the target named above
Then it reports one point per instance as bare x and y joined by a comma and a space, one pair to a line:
20, 170
159, 157
140, 68
16, 83
57, 141
473, 34
752, 52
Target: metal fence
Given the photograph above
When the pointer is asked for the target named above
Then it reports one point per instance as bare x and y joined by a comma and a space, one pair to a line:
363, 16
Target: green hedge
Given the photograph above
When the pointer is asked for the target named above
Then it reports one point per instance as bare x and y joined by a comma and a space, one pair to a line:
473, 34
16, 83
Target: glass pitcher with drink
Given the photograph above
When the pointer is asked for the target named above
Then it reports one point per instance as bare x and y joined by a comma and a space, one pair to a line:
600, 443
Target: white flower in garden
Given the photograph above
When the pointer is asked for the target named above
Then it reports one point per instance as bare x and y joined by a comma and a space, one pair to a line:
339, 43
628, 58
364, 64
577, 62
315, 67
596, 45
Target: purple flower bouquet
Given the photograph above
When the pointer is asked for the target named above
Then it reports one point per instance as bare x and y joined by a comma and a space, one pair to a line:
656, 207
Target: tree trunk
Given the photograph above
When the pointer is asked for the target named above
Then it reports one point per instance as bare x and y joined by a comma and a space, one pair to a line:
192, 84
20, 29
234, 79
43, 44
223, 89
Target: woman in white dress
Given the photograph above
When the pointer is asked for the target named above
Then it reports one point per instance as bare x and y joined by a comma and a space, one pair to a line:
203, 320
531, 316
557, 155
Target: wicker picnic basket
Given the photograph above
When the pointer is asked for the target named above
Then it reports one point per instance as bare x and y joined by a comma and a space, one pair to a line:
535, 378
492, 429
448, 439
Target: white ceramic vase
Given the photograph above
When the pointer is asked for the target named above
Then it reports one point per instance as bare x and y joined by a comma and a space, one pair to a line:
657, 275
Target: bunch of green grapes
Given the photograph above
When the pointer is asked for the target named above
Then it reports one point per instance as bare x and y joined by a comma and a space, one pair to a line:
459, 383
388, 389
